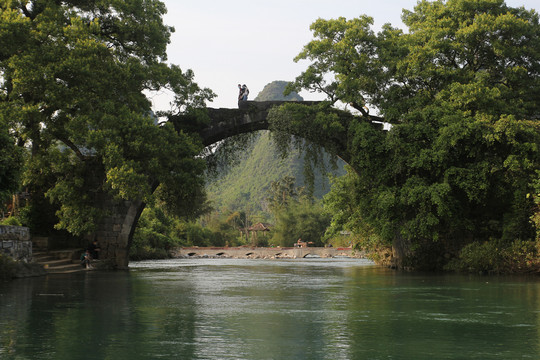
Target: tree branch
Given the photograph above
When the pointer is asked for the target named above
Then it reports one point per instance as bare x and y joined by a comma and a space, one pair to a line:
360, 108
72, 146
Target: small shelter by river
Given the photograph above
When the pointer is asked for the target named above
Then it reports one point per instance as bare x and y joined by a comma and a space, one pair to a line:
259, 230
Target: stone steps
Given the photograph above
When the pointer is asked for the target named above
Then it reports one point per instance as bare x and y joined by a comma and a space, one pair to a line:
66, 269
52, 262
59, 261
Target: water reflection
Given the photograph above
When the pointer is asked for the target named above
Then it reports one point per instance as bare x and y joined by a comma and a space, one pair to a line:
256, 309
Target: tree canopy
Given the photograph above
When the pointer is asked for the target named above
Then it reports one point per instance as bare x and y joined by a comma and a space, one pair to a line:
10, 164
461, 90
74, 83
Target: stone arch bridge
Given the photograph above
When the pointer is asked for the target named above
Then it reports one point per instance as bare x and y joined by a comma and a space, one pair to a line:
249, 117
115, 231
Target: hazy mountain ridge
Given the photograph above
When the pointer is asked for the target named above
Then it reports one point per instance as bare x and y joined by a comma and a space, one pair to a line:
245, 185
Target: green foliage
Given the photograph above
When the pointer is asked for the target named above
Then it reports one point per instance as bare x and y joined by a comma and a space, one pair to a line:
39, 176
227, 227
73, 85
155, 235
12, 221
535, 217
8, 267
11, 163
322, 125
245, 186
300, 219
498, 257
158, 233
282, 193
342, 203
140, 252
296, 215
197, 235
461, 89
254, 163
233, 152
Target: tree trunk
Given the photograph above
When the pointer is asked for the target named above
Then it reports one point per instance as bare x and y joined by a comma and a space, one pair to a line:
400, 251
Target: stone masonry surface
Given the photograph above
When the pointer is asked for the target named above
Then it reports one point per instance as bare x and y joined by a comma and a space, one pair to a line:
15, 242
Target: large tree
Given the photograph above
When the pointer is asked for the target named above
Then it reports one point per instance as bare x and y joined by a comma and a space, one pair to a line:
10, 164
74, 83
461, 90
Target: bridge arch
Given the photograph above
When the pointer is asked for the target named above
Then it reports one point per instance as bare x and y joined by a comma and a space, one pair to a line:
252, 116
115, 231
249, 117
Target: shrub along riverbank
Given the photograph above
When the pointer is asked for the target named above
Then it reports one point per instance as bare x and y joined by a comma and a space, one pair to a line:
519, 257
10, 269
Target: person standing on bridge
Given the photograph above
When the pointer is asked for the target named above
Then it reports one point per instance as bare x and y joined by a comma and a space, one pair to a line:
244, 92
240, 92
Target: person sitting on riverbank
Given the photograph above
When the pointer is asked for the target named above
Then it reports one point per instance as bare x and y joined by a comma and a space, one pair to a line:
86, 259
94, 250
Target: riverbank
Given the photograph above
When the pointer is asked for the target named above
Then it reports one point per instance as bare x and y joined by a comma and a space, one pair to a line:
10, 269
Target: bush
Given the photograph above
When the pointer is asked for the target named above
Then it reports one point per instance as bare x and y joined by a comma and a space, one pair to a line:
11, 221
300, 220
196, 235
476, 257
8, 267
522, 257
150, 245
497, 257
137, 253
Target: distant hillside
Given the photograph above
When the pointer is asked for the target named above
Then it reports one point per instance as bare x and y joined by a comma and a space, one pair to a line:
245, 185
274, 91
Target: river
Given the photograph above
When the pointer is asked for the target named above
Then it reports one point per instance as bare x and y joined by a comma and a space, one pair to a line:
269, 309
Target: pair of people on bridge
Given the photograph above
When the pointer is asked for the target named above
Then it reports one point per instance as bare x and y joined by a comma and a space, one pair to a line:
243, 92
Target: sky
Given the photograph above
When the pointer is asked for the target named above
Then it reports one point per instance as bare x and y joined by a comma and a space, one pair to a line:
255, 42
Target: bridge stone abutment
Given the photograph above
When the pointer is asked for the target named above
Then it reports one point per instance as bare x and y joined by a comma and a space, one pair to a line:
114, 231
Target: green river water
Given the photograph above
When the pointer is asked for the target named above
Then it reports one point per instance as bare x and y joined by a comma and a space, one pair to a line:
269, 309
